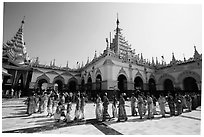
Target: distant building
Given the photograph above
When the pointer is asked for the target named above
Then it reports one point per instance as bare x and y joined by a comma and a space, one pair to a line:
117, 68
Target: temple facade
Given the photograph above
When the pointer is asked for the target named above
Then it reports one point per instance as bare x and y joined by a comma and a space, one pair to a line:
117, 68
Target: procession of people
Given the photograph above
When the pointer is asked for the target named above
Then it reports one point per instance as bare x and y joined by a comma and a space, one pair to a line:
59, 105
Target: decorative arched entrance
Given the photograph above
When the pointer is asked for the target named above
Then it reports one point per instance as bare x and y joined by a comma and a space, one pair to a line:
122, 83
98, 82
138, 83
168, 85
190, 84
42, 80
190, 80
152, 84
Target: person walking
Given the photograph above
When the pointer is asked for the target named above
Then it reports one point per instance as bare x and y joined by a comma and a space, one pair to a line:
144, 105
82, 106
140, 105
45, 104
150, 107
114, 108
58, 112
41, 102
69, 109
162, 102
77, 110
133, 102
19, 93
31, 104
122, 112
49, 105
171, 103
189, 102
99, 108
105, 107
154, 105
55, 102
178, 101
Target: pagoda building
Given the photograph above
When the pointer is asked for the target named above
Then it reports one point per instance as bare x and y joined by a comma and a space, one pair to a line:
15, 62
118, 69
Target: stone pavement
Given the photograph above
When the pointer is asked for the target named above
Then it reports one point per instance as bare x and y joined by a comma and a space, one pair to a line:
14, 120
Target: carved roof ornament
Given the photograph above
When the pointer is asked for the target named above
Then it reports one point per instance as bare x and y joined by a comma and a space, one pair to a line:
98, 71
108, 62
122, 71
138, 73
173, 61
87, 61
95, 55
152, 76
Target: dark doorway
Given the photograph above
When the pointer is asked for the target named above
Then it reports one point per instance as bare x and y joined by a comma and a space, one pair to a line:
72, 86
168, 85
60, 85
152, 85
82, 85
122, 83
190, 84
89, 89
138, 83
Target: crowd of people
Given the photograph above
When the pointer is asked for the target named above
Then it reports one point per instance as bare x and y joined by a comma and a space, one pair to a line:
60, 105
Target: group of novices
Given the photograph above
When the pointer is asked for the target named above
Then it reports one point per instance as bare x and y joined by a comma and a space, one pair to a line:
142, 104
59, 105
56, 105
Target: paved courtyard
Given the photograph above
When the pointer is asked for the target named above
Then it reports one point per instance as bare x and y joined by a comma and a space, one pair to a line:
14, 120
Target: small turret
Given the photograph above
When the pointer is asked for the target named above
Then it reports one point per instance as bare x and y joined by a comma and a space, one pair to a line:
153, 64
67, 66
196, 55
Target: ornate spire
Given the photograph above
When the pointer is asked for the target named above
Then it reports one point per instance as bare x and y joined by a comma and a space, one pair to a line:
117, 22
15, 48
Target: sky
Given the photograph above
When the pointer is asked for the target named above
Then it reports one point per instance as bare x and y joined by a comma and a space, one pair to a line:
74, 31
